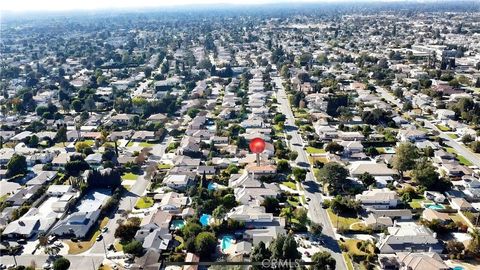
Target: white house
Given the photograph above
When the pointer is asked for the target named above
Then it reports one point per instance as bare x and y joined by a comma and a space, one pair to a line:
378, 198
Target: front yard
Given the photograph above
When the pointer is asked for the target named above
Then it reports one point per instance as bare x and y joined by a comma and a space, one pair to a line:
144, 202
313, 150
340, 222
129, 176
290, 185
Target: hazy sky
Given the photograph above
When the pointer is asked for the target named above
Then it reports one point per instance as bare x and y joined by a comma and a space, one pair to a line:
59, 5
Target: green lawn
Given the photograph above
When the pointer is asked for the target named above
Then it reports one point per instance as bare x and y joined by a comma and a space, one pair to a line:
452, 135
417, 203
351, 245
294, 201
290, 185
3, 198
277, 128
313, 150
144, 202
359, 226
146, 144
460, 158
88, 142
464, 161
164, 166
443, 128
341, 222
129, 176
450, 150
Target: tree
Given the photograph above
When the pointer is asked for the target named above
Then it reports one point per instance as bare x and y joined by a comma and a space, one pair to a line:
76, 165
334, 148
367, 179
299, 174
148, 72
219, 212
287, 213
316, 229
16, 165
425, 173
126, 231
259, 254
405, 156
134, 247
190, 229
61, 264
300, 214
335, 175
474, 244
290, 249
283, 166
293, 155
84, 148
279, 117
285, 248
77, 105
271, 204
61, 135
205, 244
455, 249
475, 146
323, 261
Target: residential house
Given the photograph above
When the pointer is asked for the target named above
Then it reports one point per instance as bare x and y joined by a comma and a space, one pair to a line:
461, 204
173, 202
409, 237
378, 198
177, 181
430, 215
79, 223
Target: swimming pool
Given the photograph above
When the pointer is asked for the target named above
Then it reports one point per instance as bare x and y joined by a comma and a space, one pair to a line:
205, 219
177, 224
212, 186
227, 241
458, 267
434, 206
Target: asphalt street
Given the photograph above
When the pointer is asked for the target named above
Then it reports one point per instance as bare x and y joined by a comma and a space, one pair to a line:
312, 188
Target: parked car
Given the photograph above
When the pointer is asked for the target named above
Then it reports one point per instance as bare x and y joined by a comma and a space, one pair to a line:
99, 237
105, 229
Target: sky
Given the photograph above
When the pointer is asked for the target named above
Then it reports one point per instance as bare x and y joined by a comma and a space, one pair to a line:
66, 5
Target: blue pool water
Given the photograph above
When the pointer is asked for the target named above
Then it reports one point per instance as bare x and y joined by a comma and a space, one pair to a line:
211, 186
458, 267
434, 206
178, 223
227, 241
205, 219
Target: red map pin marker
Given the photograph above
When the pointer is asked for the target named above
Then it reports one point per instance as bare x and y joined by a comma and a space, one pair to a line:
257, 145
